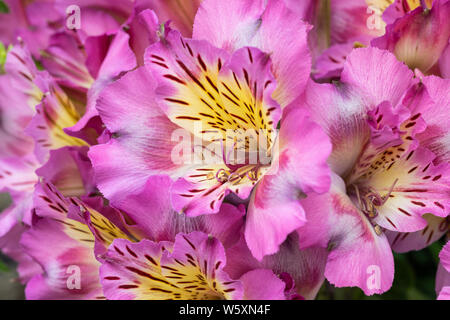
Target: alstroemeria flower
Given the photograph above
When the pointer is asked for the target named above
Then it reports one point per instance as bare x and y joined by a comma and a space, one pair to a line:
32, 100
68, 168
384, 179
358, 23
191, 268
188, 84
420, 37
443, 274
169, 264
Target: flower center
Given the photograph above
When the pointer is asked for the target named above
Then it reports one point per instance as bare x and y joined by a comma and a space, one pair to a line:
368, 200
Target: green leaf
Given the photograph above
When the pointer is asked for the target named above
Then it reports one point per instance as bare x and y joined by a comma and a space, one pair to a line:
3, 53
3, 267
3, 7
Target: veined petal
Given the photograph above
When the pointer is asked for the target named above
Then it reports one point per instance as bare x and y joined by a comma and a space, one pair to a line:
202, 191
66, 62
330, 63
201, 87
197, 84
392, 132
55, 113
152, 212
192, 269
143, 142
17, 174
420, 187
407, 241
253, 23
358, 256
79, 220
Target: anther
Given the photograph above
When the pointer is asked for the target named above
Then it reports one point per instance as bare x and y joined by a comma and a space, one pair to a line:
378, 230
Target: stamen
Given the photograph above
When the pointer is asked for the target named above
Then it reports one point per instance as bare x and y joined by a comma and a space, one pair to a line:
378, 230
223, 177
252, 172
386, 197
233, 174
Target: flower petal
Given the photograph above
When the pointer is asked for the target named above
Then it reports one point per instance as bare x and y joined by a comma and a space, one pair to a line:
253, 23
419, 37
146, 270
274, 210
357, 255
153, 213
144, 137
262, 284
407, 241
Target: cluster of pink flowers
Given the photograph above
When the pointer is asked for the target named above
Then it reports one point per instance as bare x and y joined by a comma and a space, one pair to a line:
121, 121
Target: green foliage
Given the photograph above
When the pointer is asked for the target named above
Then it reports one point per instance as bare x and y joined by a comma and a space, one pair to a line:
3, 53
3, 267
3, 7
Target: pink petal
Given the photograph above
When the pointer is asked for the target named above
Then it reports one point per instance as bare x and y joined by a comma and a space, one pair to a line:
407, 241
420, 37
262, 284
153, 213
251, 23
358, 256
274, 209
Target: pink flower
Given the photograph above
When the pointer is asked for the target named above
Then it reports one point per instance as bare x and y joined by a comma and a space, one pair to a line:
188, 83
384, 180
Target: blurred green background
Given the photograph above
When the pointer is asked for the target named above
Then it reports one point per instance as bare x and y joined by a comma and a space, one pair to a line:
414, 276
